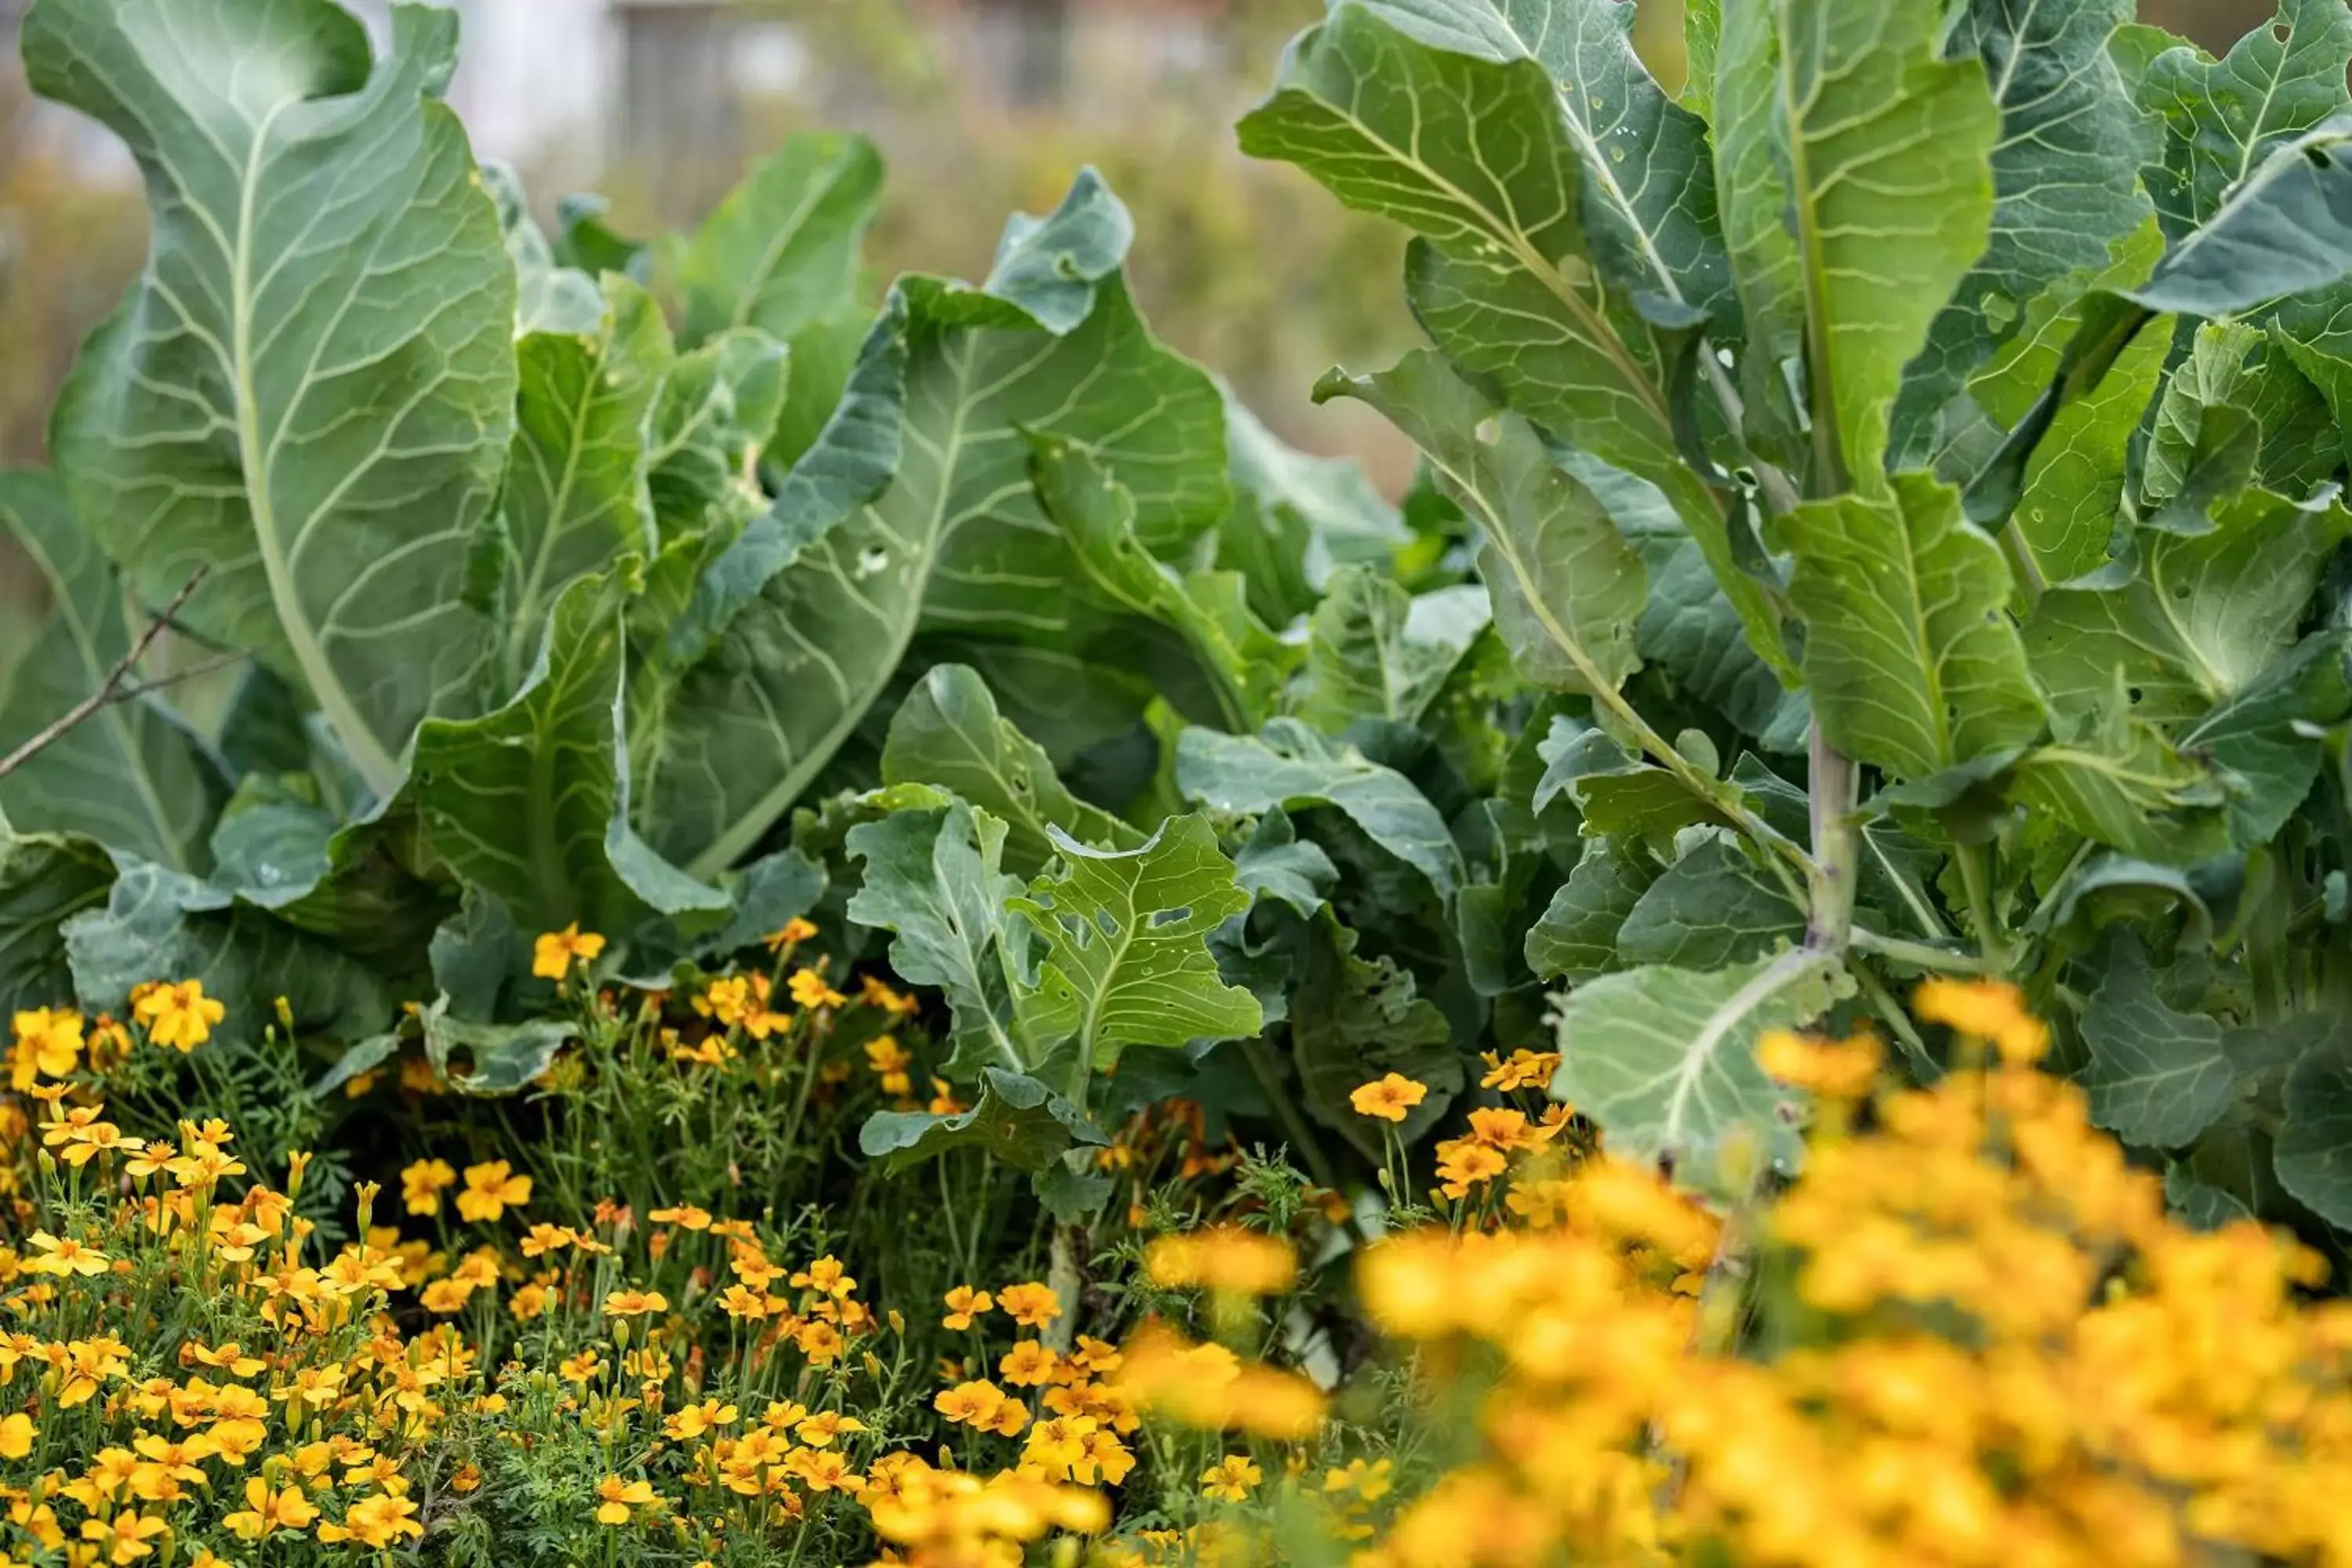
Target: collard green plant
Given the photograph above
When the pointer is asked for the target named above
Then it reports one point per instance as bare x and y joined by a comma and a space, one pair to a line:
1984, 355
1880, 518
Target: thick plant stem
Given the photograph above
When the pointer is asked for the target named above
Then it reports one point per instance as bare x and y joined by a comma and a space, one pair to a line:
1837, 858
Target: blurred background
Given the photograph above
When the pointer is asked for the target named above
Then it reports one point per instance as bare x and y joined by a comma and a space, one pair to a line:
980, 106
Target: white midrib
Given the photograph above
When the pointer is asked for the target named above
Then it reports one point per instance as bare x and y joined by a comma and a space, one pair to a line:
367, 753
1783, 973
746, 829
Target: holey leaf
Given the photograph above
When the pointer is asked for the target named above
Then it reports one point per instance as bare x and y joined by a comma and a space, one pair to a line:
915, 510
1909, 652
1878, 202
1664, 1061
2223, 117
1125, 943
132, 775
2158, 1078
311, 389
948, 733
1477, 154
1566, 587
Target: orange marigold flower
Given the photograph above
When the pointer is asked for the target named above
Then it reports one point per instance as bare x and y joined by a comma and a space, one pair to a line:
1389, 1098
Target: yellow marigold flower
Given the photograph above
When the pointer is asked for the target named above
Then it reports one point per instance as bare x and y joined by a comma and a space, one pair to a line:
49, 1044
1232, 1479
179, 1015
65, 1255
266, 1512
1837, 1069
694, 1420
1523, 1068
1464, 1164
943, 1101
821, 1343
826, 1275
819, 1430
809, 989
421, 1185
375, 1522
16, 1435
581, 1368
554, 953
616, 1496
888, 1060
875, 992
685, 1216
964, 1304
529, 1304
1223, 1257
1989, 1010
491, 1189
1028, 1364
634, 1303
1389, 1098
975, 1404
794, 931
1030, 1305
1500, 1127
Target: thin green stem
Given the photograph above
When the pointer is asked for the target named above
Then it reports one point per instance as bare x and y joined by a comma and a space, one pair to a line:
1976, 877
1919, 954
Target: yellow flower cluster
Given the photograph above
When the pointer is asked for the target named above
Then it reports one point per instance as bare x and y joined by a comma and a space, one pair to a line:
49, 1045
1997, 1350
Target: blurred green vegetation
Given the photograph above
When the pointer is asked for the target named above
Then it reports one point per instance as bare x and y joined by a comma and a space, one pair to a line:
1241, 265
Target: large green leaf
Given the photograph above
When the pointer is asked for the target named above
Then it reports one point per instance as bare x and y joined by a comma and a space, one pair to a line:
780, 258
934, 877
1477, 156
1909, 652
718, 407
1123, 943
356, 884
2157, 1077
2314, 1153
1882, 172
1016, 1119
2266, 738
2201, 619
1374, 651
2073, 494
131, 774
531, 802
1291, 767
551, 297
1647, 183
1576, 938
2065, 173
1109, 567
44, 880
157, 924
1295, 516
948, 733
1712, 907
313, 388
2223, 117
1665, 1059
781, 251
916, 510
575, 495
1566, 588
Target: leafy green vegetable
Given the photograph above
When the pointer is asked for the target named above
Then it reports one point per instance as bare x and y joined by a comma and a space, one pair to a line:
234, 414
